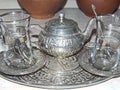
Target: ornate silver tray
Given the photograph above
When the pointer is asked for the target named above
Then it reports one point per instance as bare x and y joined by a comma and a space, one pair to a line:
68, 74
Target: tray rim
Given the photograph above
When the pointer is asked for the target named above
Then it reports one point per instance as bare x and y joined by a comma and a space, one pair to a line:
57, 86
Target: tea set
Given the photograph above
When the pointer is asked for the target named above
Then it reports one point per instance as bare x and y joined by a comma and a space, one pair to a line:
61, 51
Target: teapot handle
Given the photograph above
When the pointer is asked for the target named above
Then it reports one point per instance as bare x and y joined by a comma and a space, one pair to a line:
89, 28
38, 27
35, 29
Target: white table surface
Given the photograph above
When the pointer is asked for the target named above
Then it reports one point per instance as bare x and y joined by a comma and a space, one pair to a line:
78, 16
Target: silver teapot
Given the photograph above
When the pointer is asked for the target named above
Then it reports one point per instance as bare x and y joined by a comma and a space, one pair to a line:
61, 37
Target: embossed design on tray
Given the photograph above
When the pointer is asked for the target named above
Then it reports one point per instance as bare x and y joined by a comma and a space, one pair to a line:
46, 80
48, 77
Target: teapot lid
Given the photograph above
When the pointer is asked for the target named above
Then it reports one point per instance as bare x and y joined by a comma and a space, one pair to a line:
61, 26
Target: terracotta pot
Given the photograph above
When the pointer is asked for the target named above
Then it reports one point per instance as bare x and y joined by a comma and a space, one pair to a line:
42, 8
102, 6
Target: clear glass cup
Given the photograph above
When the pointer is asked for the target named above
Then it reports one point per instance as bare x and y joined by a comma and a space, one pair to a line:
16, 39
105, 53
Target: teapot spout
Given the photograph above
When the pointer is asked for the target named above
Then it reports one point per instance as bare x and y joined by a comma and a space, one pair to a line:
89, 28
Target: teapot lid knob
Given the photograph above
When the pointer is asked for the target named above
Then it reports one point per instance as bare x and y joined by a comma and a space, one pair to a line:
61, 17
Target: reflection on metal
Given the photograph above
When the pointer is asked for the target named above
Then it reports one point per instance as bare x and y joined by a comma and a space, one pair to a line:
64, 73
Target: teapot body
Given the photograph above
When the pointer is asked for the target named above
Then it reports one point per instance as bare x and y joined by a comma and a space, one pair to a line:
62, 37
60, 46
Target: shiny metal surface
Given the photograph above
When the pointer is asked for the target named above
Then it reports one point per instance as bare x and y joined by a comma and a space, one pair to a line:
19, 67
62, 37
85, 63
59, 73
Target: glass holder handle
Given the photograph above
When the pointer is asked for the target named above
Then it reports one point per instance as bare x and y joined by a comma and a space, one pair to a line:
18, 50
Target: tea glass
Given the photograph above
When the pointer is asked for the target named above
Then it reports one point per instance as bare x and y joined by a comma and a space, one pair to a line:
105, 53
15, 39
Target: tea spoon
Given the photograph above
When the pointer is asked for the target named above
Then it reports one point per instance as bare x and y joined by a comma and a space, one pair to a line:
100, 36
